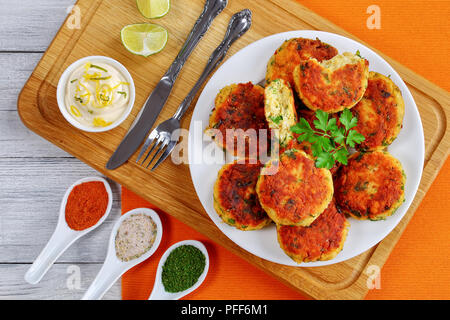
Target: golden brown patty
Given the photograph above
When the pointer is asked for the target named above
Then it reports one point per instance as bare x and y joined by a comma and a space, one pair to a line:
332, 85
291, 53
322, 240
235, 198
280, 110
292, 190
239, 106
371, 186
380, 112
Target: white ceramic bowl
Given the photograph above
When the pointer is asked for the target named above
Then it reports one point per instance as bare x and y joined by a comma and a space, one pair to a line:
61, 90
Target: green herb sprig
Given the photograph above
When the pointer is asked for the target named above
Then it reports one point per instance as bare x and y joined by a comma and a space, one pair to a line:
329, 142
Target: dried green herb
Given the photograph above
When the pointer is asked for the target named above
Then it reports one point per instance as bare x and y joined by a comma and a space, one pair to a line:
183, 267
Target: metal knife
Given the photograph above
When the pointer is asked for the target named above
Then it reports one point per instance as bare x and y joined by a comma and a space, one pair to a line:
155, 102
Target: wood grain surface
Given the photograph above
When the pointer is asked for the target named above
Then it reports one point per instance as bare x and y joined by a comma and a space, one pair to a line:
34, 173
170, 187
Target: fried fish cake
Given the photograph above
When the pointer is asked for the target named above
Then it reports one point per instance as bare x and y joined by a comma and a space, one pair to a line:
291, 53
371, 186
332, 85
380, 112
280, 110
239, 109
322, 240
305, 146
235, 198
292, 190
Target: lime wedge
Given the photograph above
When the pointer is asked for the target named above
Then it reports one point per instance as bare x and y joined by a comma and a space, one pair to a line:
153, 9
144, 39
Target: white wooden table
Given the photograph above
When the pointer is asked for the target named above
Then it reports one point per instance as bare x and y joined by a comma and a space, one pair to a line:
34, 174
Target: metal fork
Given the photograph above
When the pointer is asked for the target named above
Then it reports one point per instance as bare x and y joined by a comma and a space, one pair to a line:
165, 136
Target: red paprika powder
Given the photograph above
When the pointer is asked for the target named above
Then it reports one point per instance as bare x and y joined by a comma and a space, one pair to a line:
86, 204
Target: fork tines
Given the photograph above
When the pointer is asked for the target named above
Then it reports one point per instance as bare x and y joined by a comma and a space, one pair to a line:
161, 142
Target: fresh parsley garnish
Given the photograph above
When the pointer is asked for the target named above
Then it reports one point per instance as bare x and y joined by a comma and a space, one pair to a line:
329, 142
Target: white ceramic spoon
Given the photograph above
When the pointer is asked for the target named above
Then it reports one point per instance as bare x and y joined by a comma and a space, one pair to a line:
63, 236
113, 267
159, 293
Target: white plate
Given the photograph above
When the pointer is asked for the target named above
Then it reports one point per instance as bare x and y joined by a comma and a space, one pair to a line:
249, 64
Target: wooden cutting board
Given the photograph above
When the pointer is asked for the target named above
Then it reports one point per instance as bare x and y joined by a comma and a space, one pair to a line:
170, 187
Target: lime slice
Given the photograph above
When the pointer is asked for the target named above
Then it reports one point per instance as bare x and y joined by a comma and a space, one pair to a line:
144, 39
153, 9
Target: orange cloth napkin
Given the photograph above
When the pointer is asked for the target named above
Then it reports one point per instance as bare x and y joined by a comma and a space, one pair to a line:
414, 33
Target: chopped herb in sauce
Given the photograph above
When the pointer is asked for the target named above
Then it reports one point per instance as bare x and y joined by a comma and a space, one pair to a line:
98, 67
100, 78
78, 99
122, 93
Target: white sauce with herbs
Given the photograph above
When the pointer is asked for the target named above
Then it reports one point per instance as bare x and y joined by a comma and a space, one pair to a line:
97, 94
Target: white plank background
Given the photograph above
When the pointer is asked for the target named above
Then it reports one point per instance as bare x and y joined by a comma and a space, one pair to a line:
34, 174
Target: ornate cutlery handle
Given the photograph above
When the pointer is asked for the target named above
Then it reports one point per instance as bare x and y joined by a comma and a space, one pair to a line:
238, 25
211, 9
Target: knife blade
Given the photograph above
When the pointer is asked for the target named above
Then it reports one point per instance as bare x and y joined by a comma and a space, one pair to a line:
157, 99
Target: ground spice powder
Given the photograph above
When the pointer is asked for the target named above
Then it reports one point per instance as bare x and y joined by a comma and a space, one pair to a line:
86, 204
183, 267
